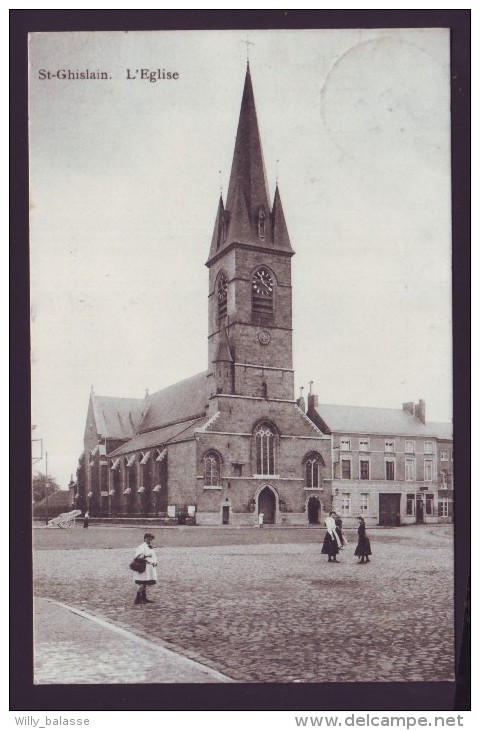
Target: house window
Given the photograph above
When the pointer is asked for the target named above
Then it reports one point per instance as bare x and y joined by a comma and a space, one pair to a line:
265, 441
429, 504
428, 447
364, 469
212, 469
409, 447
428, 470
409, 470
222, 295
344, 444
410, 504
364, 504
389, 445
346, 469
445, 508
389, 470
444, 455
364, 444
345, 504
312, 472
444, 479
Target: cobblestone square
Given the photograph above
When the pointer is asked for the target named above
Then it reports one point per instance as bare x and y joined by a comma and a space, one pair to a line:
261, 605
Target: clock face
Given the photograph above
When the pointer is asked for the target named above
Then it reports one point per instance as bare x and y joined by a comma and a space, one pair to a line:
262, 282
264, 337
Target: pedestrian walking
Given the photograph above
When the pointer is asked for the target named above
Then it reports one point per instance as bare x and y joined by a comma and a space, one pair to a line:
330, 545
146, 552
363, 549
339, 531
85, 520
261, 517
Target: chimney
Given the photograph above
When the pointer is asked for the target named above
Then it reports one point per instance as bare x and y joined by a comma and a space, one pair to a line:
301, 400
408, 408
312, 399
420, 411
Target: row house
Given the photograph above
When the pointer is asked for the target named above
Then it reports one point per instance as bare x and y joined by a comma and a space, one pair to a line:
389, 465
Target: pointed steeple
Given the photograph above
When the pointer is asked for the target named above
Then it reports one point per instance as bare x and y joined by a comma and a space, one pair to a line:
248, 166
247, 217
220, 229
280, 232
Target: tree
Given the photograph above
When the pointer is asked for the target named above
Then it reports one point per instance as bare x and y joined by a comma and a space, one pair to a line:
39, 484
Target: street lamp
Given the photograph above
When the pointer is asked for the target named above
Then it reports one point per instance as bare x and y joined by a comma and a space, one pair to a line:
46, 487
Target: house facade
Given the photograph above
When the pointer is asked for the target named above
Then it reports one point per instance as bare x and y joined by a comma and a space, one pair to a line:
389, 466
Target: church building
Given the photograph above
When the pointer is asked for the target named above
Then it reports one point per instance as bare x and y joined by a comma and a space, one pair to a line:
232, 442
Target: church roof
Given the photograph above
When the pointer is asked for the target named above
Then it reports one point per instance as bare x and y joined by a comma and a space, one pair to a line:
117, 418
370, 420
248, 200
161, 436
179, 402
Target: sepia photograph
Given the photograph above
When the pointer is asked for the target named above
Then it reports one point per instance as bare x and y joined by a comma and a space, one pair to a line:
241, 356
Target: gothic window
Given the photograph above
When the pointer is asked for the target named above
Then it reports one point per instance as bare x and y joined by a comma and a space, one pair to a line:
222, 295
261, 223
265, 446
211, 463
262, 291
312, 472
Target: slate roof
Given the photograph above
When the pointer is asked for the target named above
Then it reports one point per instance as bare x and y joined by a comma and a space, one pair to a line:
161, 436
371, 420
443, 431
58, 502
179, 402
117, 418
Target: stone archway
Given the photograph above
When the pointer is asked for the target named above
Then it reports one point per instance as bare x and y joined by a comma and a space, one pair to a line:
313, 510
267, 503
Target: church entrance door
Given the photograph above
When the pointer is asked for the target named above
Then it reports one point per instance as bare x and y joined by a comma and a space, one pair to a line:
266, 504
313, 510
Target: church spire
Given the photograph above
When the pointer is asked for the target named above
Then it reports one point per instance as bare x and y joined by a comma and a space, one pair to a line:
247, 217
248, 167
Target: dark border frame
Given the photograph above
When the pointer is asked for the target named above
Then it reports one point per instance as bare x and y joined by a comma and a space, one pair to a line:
418, 696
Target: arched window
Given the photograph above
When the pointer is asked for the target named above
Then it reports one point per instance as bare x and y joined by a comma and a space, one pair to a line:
222, 295
265, 447
313, 472
262, 291
211, 463
261, 222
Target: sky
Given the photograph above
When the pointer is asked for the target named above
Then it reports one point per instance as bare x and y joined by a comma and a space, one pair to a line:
125, 177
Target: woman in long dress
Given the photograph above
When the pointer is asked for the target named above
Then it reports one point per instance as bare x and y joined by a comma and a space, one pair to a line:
149, 577
330, 545
363, 549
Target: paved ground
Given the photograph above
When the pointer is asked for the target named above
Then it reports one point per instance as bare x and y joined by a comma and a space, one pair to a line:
257, 605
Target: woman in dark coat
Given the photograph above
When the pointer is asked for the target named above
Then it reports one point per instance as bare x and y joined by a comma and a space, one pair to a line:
363, 549
330, 546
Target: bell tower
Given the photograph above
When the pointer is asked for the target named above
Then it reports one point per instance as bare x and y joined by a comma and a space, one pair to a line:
250, 291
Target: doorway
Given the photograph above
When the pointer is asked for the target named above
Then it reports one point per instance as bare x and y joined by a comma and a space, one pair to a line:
313, 510
419, 512
225, 515
266, 504
388, 509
